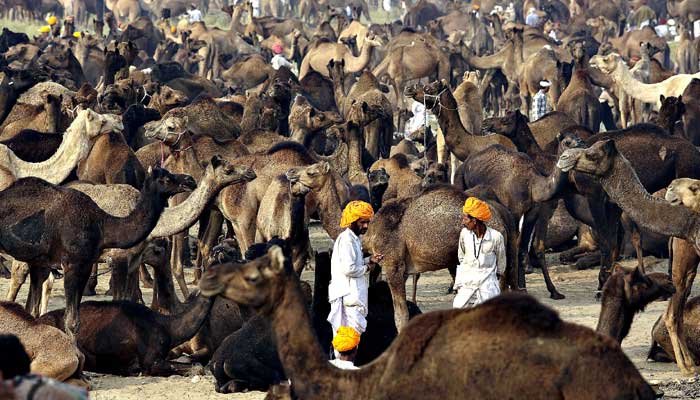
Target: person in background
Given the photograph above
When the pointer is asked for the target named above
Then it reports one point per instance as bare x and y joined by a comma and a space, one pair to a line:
345, 342
193, 14
539, 101
348, 290
481, 254
532, 19
278, 59
475, 10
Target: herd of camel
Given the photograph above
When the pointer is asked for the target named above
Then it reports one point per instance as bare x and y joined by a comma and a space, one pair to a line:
115, 145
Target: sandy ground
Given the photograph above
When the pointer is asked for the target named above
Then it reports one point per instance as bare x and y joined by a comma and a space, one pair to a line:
579, 306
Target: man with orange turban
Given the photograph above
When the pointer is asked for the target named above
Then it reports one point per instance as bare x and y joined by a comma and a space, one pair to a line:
482, 256
345, 343
347, 291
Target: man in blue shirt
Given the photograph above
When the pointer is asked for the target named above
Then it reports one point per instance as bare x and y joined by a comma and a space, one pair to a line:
539, 101
532, 18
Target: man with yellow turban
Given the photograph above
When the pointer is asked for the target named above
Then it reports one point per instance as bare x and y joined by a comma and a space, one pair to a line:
347, 291
482, 256
345, 343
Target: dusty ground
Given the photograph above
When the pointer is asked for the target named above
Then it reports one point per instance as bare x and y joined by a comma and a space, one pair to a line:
579, 306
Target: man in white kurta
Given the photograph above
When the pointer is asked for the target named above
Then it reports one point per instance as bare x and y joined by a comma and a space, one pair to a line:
482, 257
348, 290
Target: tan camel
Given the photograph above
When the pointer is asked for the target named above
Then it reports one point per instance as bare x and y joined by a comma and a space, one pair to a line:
468, 97
166, 98
74, 147
620, 182
613, 65
51, 351
403, 182
318, 56
540, 66
580, 102
47, 117
470, 346
124, 10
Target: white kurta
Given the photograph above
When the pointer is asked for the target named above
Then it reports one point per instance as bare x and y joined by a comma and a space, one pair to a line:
343, 364
348, 290
278, 61
476, 279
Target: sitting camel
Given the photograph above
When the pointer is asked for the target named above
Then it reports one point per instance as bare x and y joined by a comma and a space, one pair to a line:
470, 346
619, 180
74, 148
52, 353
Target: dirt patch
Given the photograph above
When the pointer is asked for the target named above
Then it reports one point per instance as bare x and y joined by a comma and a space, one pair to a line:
580, 306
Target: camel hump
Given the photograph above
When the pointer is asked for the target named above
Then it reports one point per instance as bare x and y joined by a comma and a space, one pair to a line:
391, 213
17, 311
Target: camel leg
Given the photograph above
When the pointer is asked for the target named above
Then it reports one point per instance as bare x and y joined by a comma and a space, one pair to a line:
19, 273
529, 223
415, 285
685, 263
208, 240
145, 277
74, 281
119, 278
395, 279
92, 282
176, 263
37, 276
46, 294
636, 238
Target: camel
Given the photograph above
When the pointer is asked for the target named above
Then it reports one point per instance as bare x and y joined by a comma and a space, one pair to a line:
46, 117
248, 73
580, 102
12, 85
139, 338
403, 182
407, 252
74, 148
615, 67
615, 174
468, 98
543, 65
661, 349
482, 336
166, 98
627, 293
685, 11
318, 56
111, 161
61, 239
377, 182
305, 119
691, 114
33, 146
52, 353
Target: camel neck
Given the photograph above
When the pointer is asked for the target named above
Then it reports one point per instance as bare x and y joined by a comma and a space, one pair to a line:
183, 158
177, 218
164, 297
624, 188
355, 153
183, 325
634, 88
126, 232
328, 202
452, 129
304, 362
614, 320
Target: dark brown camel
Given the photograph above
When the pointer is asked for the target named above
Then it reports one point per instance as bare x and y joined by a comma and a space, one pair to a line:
691, 118
69, 230
672, 112
465, 343
627, 293
125, 338
603, 162
580, 102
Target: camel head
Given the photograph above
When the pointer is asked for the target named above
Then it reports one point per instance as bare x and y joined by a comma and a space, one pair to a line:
363, 113
170, 98
372, 40
684, 191
506, 125
224, 173
569, 139
639, 289
336, 69
316, 119
606, 64
435, 174
378, 177
313, 176
168, 130
156, 252
256, 283
672, 108
94, 124
598, 159
161, 181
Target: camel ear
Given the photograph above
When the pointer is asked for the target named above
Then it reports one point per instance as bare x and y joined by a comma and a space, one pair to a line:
365, 107
312, 112
325, 167
680, 98
276, 259
662, 98
609, 146
216, 161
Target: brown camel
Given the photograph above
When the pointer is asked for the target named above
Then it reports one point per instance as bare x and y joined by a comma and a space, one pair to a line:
111, 160
406, 249
166, 98
542, 65
139, 338
318, 56
691, 116
51, 352
403, 182
627, 293
619, 180
62, 239
602, 373
248, 73
468, 97
580, 102
75, 146
662, 347
47, 117
305, 119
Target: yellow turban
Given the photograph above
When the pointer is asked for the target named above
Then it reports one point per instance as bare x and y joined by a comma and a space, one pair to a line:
51, 20
356, 210
346, 339
173, 29
477, 209
77, 34
45, 29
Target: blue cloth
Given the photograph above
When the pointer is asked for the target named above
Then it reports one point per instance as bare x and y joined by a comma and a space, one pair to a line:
539, 106
532, 19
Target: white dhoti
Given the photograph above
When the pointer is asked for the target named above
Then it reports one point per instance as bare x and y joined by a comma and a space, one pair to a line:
478, 286
343, 315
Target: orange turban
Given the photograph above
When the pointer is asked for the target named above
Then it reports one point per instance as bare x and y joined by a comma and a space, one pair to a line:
477, 209
346, 339
355, 210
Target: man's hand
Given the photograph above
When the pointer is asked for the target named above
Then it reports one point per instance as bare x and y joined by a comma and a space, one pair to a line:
376, 258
